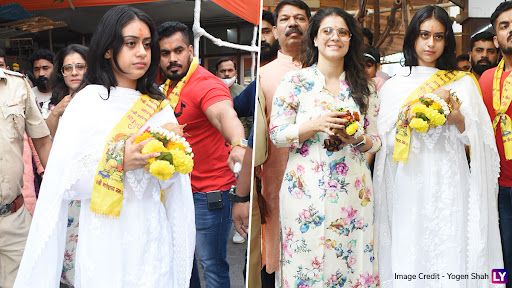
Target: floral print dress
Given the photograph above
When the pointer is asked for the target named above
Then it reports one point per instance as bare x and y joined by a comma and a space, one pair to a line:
68, 266
326, 198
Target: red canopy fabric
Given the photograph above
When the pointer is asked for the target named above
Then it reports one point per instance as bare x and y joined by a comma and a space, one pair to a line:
248, 10
52, 4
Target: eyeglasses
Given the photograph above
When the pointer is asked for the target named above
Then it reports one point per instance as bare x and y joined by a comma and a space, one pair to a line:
328, 32
68, 69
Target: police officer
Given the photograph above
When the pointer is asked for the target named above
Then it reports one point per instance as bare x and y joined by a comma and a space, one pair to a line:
18, 114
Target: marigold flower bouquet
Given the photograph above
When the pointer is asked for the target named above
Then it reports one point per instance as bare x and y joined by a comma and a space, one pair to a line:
175, 153
426, 112
351, 127
353, 121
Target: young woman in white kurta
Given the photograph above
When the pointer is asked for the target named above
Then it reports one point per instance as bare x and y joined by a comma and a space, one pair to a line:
151, 243
436, 215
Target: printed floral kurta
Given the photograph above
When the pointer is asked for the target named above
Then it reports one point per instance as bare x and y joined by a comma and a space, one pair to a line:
326, 199
68, 267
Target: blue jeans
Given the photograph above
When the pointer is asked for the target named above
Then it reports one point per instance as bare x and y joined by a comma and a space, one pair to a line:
212, 231
505, 212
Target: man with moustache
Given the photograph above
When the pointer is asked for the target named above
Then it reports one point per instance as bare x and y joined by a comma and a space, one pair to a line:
291, 22
42, 67
496, 85
268, 43
203, 103
483, 54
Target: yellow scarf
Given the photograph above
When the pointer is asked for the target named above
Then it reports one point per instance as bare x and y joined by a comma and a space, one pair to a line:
403, 131
500, 103
107, 193
174, 95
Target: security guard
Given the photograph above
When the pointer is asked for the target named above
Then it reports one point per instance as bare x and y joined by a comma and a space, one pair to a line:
18, 114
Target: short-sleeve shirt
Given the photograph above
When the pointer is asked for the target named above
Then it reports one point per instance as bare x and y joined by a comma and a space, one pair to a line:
43, 101
486, 82
18, 114
211, 171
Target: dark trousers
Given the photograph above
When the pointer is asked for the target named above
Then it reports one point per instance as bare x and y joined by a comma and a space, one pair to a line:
212, 231
267, 280
505, 214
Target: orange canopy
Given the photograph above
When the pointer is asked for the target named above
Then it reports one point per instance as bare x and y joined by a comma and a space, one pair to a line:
31, 5
249, 10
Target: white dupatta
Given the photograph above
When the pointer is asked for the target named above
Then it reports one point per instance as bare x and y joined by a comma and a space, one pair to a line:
73, 160
483, 251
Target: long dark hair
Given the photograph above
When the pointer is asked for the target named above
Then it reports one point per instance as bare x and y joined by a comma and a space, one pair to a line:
57, 84
354, 69
108, 36
447, 60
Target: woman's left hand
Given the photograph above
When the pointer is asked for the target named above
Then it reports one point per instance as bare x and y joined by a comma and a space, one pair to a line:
455, 117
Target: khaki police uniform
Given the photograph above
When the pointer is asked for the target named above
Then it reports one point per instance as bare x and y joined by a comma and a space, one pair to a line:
18, 114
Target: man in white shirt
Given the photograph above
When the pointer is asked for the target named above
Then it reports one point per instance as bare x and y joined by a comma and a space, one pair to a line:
42, 67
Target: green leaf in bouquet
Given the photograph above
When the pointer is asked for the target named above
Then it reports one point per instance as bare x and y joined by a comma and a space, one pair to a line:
422, 116
166, 156
425, 101
160, 138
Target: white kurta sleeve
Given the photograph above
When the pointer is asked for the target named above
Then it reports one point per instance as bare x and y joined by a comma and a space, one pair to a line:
371, 121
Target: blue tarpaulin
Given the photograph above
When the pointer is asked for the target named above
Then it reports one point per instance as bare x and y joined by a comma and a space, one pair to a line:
13, 12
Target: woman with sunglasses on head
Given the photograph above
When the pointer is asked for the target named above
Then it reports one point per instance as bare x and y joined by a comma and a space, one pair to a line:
70, 67
135, 230
326, 198
436, 216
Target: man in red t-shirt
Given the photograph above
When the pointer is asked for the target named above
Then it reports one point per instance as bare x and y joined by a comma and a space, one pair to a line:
501, 19
205, 105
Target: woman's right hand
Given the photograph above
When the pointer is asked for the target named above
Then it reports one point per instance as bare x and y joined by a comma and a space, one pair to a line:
329, 122
59, 109
133, 157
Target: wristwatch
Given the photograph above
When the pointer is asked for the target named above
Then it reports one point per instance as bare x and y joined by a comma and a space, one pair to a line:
239, 142
237, 199
360, 144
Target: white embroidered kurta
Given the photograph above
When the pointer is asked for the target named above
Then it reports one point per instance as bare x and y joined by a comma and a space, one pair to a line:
326, 198
433, 214
151, 244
